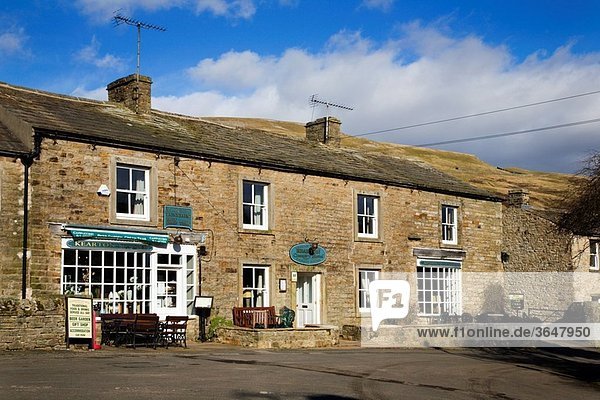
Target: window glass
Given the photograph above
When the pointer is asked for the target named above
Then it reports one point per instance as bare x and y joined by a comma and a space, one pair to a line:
449, 224
255, 291
594, 256
365, 277
367, 216
439, 290
254, 205
114, 289
132, 192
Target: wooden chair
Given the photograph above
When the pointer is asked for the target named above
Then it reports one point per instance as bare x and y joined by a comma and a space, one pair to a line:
174, 331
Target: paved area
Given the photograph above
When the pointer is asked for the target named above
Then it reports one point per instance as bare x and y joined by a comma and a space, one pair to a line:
212, 371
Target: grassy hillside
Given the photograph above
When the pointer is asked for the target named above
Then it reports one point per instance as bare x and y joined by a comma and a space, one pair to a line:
546, 189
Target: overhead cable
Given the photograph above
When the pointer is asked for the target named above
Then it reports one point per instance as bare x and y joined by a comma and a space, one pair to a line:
477, 114
497, 135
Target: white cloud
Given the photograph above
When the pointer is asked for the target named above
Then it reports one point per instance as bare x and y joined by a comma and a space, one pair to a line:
423, 75
12, 42
102, 11
378, 4
227, 8
96, 94
89, 54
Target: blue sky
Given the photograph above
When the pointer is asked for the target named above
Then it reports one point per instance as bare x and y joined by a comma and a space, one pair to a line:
397, 62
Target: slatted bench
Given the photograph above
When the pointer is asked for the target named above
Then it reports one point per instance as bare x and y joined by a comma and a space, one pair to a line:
255, 317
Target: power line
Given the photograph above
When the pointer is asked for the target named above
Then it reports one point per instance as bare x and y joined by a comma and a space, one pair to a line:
477, 114
497, 135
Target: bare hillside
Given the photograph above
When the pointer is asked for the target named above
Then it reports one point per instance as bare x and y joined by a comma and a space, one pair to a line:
546, 189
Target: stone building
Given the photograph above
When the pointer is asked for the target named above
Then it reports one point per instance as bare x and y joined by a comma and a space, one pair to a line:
144, 210
551, 269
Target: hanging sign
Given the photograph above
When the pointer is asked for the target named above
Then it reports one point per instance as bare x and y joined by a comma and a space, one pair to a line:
177, 217
308, 253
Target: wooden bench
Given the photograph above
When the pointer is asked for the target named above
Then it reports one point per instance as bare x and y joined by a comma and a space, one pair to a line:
118, 329
255, 317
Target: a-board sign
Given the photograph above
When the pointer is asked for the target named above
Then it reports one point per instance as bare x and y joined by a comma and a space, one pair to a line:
517, 301
79, 317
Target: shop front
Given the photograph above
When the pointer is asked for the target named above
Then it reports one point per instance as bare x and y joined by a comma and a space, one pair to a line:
129, 271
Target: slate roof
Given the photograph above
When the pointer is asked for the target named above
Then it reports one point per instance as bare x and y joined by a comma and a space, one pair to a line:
112, 124
9, 144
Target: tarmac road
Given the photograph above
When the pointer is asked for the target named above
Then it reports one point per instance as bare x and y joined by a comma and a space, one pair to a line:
209, 371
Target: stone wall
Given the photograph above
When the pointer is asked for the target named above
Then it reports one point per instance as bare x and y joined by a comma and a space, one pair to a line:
533, 244
549, 267
65, 180
279, 338
11, 221
32, 324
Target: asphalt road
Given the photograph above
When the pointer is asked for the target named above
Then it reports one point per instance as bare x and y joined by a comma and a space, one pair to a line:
208, 371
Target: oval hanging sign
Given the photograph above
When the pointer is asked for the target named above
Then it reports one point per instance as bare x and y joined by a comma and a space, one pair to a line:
308, 253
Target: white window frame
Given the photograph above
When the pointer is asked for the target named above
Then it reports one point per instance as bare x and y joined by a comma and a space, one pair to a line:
365, 277
255, 290
439, 288
262, 207
365, 217
127, 290
594, 255
126, 283
449, 224
145, 194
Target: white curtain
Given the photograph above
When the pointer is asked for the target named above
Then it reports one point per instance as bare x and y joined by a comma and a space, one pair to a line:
140, 186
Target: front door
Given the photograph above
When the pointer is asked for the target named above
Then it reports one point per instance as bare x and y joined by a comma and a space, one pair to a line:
308, 290
170, 285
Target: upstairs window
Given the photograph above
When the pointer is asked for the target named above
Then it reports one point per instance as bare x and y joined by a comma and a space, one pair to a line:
132, 192
367, 210
255, 205
594, 255
449, 225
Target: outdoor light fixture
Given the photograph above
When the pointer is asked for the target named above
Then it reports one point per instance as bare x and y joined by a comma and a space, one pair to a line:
177, 239
313, 248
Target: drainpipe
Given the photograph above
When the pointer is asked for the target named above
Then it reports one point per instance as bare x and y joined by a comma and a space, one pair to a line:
27, 161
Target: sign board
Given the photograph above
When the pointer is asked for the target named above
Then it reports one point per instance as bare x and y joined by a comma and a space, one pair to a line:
517, 301
203, 302
79, 318
177, 217
308, 253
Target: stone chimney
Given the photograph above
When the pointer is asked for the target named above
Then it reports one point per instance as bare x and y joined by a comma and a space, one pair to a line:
324, 130
132, 92
518, 197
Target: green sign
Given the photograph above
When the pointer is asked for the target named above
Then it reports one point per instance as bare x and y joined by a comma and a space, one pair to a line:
149, 238
439, 263
100, 244
177, 217
308, 254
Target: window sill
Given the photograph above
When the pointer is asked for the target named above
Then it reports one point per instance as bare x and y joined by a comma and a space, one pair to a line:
256, 232
596, 270
368, 239
133, 222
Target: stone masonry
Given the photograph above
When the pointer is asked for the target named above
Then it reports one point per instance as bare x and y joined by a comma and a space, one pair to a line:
64, 183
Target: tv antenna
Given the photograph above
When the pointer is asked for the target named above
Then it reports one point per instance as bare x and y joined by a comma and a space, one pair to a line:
314, 101
120, 19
